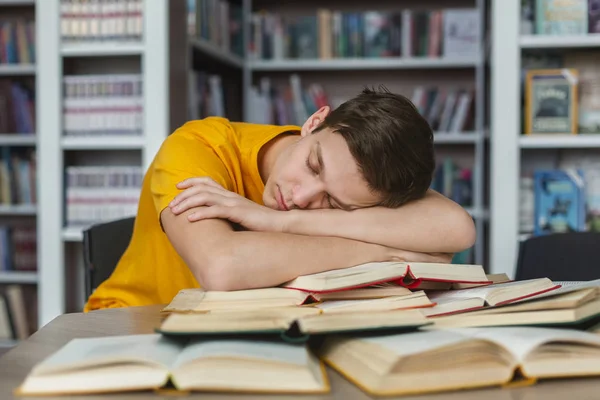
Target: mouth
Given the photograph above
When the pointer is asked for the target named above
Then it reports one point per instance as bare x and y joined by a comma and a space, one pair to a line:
280, 202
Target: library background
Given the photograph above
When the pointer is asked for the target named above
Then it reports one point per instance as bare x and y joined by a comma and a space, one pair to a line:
89, 89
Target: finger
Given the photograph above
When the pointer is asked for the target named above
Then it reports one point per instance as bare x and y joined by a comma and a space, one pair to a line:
199, 200
206, 180
194, 191
209, 213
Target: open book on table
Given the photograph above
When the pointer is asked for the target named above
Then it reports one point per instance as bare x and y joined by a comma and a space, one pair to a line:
455, 301
411, 275
146, 362
571, 306
422, 362
290, 324
199, 300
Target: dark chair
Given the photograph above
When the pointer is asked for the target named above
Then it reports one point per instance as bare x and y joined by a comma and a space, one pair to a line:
103, 246
561, 257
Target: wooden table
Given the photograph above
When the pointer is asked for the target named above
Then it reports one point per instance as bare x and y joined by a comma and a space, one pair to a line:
16, 363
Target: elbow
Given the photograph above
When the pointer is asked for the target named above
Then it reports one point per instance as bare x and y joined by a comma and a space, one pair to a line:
217, 274
467, 233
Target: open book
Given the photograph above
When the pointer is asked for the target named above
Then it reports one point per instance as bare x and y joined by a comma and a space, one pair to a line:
409, 275
422, 362
501, 293
290, 324
413, 300
199, 300
144, 362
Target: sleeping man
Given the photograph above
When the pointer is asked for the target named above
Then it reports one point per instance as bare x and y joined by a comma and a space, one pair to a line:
229, 205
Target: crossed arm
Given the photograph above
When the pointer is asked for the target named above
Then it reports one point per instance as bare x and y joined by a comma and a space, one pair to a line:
280, 245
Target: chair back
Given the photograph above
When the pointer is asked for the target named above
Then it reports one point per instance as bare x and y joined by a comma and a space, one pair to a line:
573, 256
103, 246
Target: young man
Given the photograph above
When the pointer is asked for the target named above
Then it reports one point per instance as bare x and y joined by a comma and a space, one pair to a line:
228, 206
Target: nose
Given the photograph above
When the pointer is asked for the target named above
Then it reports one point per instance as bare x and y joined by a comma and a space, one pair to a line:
308, 194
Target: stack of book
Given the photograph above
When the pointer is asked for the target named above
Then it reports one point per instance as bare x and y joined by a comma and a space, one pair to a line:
390, 328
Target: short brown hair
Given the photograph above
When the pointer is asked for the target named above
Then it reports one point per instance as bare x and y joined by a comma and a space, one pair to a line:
391, 142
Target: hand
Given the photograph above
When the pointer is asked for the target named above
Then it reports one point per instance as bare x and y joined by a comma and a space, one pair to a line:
212, 200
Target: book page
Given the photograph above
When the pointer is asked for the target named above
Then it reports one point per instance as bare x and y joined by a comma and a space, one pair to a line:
484, 292
358, 275
520, 341
198, 300
262, 350
567, 287
86, 352
417, 342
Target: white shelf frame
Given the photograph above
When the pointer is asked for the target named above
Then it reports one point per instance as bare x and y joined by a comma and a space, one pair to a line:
340, 64
102, 49
72, 234
18, 209
154, 60
17, 69
559, 42
544, 141
8, 3
504, 136
456, 137
17, 139
108, 142
23, 277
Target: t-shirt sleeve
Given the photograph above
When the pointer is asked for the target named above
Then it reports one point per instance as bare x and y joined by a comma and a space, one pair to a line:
180, 157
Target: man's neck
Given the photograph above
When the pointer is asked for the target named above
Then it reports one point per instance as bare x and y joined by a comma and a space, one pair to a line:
269, 153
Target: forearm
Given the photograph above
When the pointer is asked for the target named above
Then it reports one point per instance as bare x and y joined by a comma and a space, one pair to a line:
263, 259
431, 225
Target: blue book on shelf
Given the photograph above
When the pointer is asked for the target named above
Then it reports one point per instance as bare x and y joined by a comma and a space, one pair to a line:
559, 201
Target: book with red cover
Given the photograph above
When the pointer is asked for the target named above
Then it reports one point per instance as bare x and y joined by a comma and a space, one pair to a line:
408, 274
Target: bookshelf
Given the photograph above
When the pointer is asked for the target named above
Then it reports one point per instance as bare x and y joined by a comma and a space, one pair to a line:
60, 257
513, 152
18, 137
343, 77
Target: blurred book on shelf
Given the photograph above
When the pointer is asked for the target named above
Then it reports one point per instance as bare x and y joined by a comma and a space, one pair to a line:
588, 82
454, 182
17, 41
330, 34
103, 104
17, 107
101, 20
551, 101
18, 178
557, 17
18, 247
101, 193
219, 22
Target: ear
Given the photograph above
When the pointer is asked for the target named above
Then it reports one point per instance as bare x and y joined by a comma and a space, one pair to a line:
315, 120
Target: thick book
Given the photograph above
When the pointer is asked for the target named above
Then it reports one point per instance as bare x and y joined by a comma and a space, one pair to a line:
407, 274
424, 362
153, 362
291, 324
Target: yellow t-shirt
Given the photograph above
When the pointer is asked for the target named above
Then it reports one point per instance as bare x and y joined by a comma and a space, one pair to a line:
150, 271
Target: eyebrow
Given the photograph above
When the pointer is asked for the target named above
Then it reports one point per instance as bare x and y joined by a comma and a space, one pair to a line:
344, 206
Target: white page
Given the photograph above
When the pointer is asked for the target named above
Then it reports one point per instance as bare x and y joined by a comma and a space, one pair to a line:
417, 342
150, 348
244, 349
520, 341
567, 287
